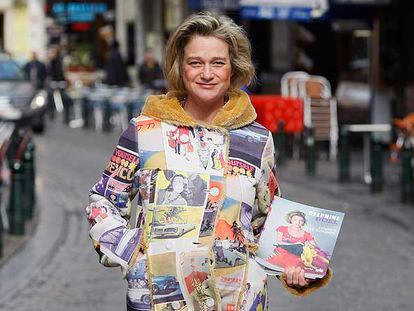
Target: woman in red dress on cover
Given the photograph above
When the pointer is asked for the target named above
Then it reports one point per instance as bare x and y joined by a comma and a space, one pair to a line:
291, 240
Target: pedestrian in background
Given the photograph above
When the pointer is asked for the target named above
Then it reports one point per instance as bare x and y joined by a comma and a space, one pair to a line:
55, 70
36, 72
115, 68
189, 266
149, 71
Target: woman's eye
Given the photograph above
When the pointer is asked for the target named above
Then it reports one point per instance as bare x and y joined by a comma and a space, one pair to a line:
219, 63
194, 63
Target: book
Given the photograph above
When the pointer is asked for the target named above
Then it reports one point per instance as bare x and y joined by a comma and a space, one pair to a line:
296, 234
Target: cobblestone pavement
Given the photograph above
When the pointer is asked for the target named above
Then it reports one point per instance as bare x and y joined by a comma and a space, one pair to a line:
58, 270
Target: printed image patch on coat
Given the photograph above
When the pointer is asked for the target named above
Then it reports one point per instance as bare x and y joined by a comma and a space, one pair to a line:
215, 193
252, 298
152, 159
230, 211
196, 275
236, 166
194, 149
227, 254
121, 242
229, 282
176, 188
122, 165
175, 222
165, 285
138, 293
247, 144
149, 134
245, 216
207, 225
171, 306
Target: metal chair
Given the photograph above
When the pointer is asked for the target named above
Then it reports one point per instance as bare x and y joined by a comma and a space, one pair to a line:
289, 83
320, 111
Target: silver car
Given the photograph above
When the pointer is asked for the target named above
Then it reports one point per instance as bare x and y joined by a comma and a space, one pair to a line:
20, 102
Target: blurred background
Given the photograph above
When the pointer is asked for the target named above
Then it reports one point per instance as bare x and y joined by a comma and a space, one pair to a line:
335, 86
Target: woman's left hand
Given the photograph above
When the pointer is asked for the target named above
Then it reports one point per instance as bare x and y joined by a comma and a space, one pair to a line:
295, 276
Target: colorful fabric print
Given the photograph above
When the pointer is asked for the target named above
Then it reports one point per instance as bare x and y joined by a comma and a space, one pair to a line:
228, 254
151, 151
246, 150
138, 294
176, 222
164, 281
196, 274
120, 242
253, 297
181, 189
229, 282
201, 193
194, 149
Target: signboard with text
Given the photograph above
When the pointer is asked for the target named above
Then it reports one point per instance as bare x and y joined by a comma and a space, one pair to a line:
283, 9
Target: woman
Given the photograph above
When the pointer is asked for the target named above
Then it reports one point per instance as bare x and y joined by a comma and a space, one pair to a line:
291, 241
175, 192
208, 60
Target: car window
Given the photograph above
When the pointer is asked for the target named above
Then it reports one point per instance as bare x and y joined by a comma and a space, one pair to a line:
9, 70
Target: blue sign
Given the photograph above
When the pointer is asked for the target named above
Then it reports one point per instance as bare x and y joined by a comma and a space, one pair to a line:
78, 12
276, 12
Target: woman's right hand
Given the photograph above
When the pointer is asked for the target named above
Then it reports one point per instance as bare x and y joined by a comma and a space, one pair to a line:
295, 276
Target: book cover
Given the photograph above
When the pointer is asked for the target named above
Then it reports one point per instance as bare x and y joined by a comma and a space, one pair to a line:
296, 234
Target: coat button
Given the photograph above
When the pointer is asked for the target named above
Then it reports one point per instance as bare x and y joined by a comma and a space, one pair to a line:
210, 302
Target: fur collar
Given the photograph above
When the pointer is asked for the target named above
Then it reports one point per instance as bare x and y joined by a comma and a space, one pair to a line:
236, 113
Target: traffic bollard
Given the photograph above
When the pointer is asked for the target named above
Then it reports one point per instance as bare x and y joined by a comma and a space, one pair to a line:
407, 195
310, 152
67, 108
17, 221
50, 102
344, 157
29, 181
376, 166
281, 142
14, 146
86, 111
106, 126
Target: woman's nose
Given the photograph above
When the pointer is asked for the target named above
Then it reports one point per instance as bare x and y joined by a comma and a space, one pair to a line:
207, 74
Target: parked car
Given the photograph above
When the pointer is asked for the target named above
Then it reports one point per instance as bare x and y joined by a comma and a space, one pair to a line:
164, 285
20, 102
172, 230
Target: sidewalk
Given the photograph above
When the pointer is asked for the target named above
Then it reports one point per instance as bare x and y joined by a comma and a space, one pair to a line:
12, 243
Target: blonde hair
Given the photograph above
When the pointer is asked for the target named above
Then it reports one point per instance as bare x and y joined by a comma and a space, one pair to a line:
207, 24
295, 213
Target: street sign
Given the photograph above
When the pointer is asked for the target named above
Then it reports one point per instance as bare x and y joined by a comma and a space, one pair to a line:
283, 9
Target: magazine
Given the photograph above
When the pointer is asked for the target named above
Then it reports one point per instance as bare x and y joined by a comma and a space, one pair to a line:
296, 234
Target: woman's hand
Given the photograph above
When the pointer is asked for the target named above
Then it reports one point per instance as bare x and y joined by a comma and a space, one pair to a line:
295, 276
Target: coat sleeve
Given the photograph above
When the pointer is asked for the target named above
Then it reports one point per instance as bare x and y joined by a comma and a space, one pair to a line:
109, 205
267, 187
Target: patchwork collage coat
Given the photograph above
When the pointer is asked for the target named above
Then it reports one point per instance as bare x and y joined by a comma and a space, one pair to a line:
203, 193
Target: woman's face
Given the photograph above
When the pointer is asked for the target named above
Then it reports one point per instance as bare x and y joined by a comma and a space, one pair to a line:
178, 184
206, 69
297, 221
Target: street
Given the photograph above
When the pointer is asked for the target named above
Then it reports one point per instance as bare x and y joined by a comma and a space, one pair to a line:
58, 269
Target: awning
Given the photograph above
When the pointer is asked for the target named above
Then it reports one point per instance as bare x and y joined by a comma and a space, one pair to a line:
303, 10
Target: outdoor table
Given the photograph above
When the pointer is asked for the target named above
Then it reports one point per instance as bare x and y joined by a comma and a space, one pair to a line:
367, 129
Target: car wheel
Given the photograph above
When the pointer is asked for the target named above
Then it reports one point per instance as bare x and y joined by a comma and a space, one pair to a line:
155, 288
146, 299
